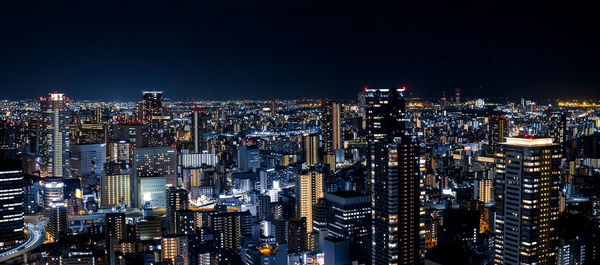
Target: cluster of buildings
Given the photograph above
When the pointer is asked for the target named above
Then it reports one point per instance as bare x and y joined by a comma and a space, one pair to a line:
384, 179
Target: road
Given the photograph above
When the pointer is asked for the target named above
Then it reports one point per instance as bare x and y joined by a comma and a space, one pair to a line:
37, 233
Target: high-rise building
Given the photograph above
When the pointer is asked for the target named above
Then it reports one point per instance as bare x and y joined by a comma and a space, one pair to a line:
11, 203
349, 215
385, 111
296, 235
148, 228
395, 215
311, 149
309, 189
152, 192
156, 161
248, 158
55, 133
151, 104
116, 184
87, 159
184, 222
175, 249
118, 151
57, 220
482, 191
197, 130
393, 162
177, 200
497, 129
136, 133
526, 196
116, 226
228, 226
331, 130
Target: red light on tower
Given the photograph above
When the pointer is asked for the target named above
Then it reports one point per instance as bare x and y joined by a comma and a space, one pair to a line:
403, 87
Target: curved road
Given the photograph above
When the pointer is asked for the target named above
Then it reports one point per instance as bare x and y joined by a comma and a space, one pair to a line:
37, 233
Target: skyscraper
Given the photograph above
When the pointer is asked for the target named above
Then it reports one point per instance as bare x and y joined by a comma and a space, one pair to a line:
394, 179
116, 184
395, 215
497, 130
385, 111
309, 189
331, 130
311, 149
177, 199
197, 130
151, 104
156, 161
526, 196
55, 144
11, 203
87, 159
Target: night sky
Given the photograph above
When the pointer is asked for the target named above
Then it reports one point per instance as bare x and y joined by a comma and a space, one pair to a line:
195, 50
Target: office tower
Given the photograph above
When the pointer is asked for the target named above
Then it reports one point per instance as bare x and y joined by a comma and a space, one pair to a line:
385, 111
336, 251
152, 192
197, 130
331, 130
349, 215
11, 203
57, 220
115, 226
228, 226
151, 104
55, 132
53, 190
297, 237
148, 228
393, 179
156, 161
87, 159
136, 133
184, 223
116, 184
177, 199
248, 158
118, 151
311, 149
309, 189
497, 129
174, 249
526, 196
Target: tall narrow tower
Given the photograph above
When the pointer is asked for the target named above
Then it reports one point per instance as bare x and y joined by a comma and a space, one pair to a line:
394, 180
197, 130
55, 126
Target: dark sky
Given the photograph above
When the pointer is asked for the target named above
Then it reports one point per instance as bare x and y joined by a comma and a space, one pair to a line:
291, 49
